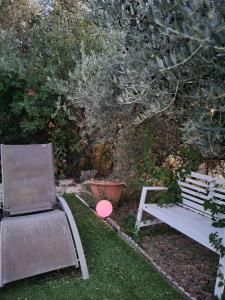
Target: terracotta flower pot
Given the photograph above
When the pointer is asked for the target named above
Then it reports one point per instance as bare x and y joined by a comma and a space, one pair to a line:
108, 190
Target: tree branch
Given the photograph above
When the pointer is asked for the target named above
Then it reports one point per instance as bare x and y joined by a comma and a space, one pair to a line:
184, 61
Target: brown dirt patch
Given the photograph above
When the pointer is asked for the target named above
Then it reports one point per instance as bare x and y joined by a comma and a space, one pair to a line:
189, 263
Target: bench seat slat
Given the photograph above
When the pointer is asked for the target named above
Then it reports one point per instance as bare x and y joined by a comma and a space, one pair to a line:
194, 225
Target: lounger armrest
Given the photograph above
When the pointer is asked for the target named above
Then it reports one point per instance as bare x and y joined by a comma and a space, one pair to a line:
65, 207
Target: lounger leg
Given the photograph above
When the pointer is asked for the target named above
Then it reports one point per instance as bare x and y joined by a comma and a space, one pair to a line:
220, 277
1, 284
76, 237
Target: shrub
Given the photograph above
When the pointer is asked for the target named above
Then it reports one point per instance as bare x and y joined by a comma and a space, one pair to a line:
42, 43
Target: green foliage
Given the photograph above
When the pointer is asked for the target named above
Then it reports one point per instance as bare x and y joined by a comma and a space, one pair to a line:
128, 224
216, 242
37, 47
152, 172
27, 119
215, 210
170, 60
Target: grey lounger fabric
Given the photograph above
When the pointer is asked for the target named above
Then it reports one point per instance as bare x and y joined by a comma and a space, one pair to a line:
35, 244
38, 233
28, 181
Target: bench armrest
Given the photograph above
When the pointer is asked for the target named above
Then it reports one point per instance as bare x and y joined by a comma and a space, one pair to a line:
154, 188
145, 189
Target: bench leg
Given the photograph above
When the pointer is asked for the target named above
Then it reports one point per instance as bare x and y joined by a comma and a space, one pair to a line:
149, 223
139, 223
140, 209
220, 277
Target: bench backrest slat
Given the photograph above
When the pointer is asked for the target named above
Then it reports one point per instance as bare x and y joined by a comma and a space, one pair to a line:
196, 182
203, 177
192, 187
219, 193
200, 195
192, 199
218, 196
197, 188
218, 189
196, 206
220, 182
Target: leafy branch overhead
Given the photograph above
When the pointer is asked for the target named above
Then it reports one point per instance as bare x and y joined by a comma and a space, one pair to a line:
161, 56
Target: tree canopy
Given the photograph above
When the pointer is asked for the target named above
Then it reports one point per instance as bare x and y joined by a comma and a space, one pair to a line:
40, 42
165, 56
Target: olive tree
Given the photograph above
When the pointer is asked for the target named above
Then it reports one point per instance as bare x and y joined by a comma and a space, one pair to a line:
162, 57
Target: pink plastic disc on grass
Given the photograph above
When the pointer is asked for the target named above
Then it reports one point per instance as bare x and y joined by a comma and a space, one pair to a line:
104, 208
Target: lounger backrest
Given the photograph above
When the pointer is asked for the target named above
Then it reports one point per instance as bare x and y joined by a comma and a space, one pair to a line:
28, 180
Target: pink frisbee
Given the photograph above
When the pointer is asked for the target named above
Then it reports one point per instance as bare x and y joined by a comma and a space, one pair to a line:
104, 208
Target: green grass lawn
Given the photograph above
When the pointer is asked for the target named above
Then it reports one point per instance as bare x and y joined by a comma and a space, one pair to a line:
116, 271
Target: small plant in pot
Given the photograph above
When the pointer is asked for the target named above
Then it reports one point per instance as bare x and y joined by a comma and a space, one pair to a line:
105, 189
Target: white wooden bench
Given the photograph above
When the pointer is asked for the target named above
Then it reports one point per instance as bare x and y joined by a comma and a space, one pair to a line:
189, 217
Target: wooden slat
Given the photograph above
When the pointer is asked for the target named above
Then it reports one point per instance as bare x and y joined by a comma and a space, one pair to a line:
194, 205
202, 176
203, 213
199, 201
197, 182
217, 195
191, 186
192, 224
200, 195
189, 197
219, 190
218, 201
220, 180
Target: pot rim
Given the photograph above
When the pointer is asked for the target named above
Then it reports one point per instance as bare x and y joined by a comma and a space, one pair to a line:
106, 183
